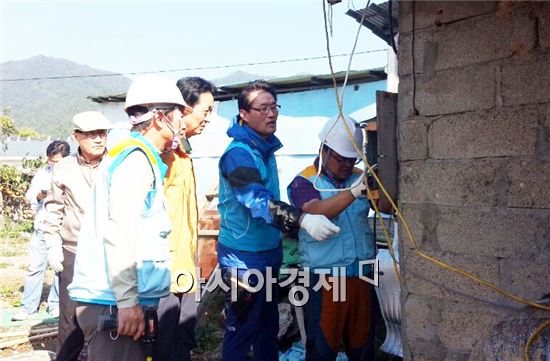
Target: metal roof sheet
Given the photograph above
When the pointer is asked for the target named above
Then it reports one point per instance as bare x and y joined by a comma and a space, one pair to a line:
377, 19
282, 85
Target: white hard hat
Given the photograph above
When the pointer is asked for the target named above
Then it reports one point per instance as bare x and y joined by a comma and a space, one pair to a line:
335, 136
153, 89
88, 121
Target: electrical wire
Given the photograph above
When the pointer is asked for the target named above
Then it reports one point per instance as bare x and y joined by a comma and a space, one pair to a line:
407, 230
188, 69
359, 151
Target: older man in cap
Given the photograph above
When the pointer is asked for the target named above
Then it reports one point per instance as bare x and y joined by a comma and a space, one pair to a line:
72, 181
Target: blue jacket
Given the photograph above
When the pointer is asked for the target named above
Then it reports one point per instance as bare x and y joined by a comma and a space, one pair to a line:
91, 282
355, 241
252, 216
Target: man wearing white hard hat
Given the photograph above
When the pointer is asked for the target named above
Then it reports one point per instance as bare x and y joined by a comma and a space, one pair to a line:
122, 266
333, 187
71, 193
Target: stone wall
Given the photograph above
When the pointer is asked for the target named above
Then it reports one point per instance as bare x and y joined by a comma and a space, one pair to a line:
474, 183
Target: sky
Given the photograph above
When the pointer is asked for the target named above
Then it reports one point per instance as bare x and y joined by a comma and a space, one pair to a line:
146, 36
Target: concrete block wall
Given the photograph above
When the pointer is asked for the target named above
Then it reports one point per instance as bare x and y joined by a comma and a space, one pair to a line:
474, 182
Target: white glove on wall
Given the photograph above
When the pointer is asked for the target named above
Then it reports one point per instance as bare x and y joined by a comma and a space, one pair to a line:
55, 258
318, 226
359, 187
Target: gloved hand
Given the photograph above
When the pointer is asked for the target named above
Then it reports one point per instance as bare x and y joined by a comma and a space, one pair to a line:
359, 187
318, 226
55, 258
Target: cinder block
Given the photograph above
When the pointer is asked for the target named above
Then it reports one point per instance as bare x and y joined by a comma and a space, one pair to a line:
422, 316
422, 221
542, 146
413, 139
450, 182
457, 90
436, 13
511, 233
423, 277
405, 108
421, 38
464, 325
524, 278
484, 38
501, 133
523, 80
543, 17
545, 111
529, 184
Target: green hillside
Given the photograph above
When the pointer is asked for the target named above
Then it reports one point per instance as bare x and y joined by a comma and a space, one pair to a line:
48, 105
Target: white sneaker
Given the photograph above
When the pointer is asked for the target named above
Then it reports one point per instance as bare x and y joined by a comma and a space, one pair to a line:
54, 313
20, 315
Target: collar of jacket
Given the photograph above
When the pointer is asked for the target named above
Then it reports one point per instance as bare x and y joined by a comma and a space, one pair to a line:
247, 135
84, 162
154, 152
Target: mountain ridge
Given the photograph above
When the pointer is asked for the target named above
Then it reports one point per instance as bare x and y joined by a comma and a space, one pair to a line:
47, 105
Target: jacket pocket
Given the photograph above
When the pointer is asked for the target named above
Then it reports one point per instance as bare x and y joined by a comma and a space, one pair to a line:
153, 279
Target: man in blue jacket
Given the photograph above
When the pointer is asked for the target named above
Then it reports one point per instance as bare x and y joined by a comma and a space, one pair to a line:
252, 219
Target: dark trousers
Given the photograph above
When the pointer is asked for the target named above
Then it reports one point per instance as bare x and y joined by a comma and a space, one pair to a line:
70, 337
105, 345
177, 315
251, 321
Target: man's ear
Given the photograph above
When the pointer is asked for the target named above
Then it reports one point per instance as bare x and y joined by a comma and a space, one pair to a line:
157, 122
187, 110
73, 136
243, 115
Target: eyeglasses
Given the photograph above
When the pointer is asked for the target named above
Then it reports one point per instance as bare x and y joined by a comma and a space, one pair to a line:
341, 159
266, 108
102, 133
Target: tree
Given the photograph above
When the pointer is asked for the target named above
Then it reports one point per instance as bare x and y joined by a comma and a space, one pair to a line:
7, 127
28, 133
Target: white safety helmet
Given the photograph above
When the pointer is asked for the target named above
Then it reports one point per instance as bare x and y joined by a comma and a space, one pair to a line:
335, 136
153, 90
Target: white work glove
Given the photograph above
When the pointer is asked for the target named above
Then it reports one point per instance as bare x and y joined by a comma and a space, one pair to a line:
318, 226
55, 258
359, 187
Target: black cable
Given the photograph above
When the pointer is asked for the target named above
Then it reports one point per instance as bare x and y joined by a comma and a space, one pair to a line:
390, 20
412, 61
187, 69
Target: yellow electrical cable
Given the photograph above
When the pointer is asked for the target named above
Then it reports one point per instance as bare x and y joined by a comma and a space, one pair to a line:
348, 131
406, 226
535, 334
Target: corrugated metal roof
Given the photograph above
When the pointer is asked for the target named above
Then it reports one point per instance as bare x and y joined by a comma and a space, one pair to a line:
377, 19
282, 85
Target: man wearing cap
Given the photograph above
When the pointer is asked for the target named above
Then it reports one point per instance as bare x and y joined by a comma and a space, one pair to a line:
122, 265
333, 187
38, 255
72, 181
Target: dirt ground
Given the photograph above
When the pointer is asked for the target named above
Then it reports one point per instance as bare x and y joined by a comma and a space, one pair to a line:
209, 333
13, 266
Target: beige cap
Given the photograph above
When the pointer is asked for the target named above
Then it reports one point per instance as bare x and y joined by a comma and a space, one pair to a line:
88, 121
